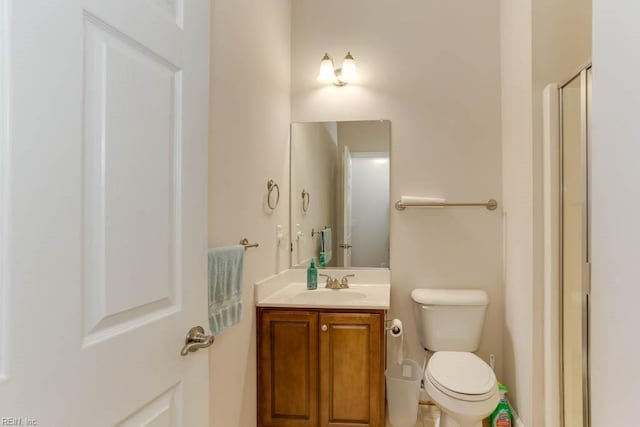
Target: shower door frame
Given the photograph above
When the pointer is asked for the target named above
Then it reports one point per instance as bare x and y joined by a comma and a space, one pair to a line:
585, 76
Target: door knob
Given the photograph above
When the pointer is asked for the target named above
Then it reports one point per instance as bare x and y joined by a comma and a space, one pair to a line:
324, 328
345, 246
195, 340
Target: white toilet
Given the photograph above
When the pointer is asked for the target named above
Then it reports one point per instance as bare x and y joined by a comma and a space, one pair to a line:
461, 384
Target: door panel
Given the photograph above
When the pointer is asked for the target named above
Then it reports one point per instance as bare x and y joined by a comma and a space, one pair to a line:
107, 196
351, 366
288, 360
127, 87
174, 9
160, 412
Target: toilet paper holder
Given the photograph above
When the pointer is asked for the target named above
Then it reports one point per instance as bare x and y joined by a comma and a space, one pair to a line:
389, 326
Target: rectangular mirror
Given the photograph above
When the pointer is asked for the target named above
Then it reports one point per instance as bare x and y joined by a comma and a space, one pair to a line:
340, 193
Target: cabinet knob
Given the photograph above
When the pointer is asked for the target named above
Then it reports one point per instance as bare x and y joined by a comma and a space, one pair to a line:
324, 328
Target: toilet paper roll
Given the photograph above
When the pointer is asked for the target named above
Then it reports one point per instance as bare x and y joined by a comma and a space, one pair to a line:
422, 201
397, 333
396, 328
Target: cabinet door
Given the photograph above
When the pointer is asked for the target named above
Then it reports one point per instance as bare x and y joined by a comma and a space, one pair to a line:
351, 370
288, 369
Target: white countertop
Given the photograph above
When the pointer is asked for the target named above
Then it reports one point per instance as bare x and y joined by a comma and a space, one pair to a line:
369, 289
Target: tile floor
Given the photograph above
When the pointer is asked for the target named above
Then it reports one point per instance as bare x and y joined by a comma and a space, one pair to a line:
427, 417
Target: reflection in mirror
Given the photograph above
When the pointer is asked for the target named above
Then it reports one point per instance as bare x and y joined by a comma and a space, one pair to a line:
340, 193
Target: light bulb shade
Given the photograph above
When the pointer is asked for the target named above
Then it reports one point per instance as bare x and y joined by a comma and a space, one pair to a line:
326, 74
348, 73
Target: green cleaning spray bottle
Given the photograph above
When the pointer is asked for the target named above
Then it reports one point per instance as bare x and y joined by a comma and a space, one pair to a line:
502, 417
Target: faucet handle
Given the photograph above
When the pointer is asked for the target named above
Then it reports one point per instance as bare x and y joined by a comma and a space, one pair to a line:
330, 280
345, 279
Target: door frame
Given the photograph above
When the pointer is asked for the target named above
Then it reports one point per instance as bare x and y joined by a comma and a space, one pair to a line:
4, 185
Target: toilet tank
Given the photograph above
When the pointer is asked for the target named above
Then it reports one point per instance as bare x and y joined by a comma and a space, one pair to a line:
449, 319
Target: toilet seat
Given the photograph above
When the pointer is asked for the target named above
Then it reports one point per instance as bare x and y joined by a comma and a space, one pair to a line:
461, 375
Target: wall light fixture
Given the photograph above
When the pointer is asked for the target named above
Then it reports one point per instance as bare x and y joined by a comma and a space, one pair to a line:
337, 76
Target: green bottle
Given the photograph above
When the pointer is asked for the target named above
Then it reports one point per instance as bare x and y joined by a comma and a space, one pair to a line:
502, 417
312, 275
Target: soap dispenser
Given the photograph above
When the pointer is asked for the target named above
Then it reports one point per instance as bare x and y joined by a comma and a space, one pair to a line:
312, 275
322, 263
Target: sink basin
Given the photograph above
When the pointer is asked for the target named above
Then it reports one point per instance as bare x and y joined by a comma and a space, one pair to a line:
328, 296
357, 296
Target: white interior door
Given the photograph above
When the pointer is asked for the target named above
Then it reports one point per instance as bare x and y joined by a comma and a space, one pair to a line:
346, 205
369, 209
104, 211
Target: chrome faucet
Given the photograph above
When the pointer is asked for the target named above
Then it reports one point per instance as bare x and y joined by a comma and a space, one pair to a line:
333, 283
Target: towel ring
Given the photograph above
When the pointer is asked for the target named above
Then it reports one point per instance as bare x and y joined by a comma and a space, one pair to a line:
306, 198
271, 185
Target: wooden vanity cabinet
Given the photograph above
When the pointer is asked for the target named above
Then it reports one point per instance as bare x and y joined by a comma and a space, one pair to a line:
320, 368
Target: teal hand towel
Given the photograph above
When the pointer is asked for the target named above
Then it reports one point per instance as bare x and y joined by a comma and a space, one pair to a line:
225, 287
326, 239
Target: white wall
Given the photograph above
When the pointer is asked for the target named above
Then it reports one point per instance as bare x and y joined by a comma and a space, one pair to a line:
249, 131
433, 69
615, 371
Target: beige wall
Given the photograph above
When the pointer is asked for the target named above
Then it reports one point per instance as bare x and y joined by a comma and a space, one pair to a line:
313, 168
517, 170
615, 203
440, 87
364, 136
542, 42
249, 131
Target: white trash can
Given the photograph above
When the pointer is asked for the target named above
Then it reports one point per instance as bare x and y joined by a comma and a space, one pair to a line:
403, 390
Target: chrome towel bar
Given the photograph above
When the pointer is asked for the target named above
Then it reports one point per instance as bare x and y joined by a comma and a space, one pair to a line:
491, 205
245, 242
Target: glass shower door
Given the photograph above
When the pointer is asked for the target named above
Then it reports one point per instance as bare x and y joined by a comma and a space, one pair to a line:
575, 280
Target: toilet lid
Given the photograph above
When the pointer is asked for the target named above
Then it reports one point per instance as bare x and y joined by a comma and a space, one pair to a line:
461, 375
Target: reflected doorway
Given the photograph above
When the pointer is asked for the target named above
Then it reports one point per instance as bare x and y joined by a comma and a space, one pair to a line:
368, 225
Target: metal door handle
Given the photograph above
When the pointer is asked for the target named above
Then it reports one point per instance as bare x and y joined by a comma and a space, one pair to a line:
345, 246
195, 340
324, 328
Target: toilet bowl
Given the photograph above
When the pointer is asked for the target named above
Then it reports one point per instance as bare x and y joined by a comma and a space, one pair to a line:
463, 386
